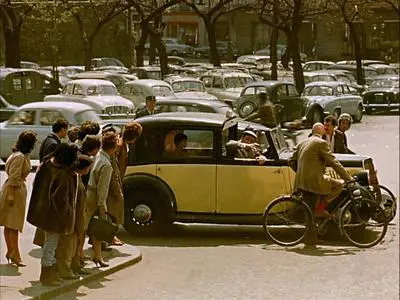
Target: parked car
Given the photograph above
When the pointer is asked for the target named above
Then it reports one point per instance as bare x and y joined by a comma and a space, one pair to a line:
222, 47
137, 91
148, 72
281, 93
189, 88
331, 97
255, 60
384, 69
317, 76
280, 50
316, 65
369, 73
29, 65
365, 62
160, 189
193, 105
101, 95
346, 77
101, 62
174, 47
382, 95
225, 84
20, 86
6, 109
40, 116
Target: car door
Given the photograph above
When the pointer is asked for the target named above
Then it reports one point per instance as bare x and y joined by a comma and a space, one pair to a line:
15, 93
293, 104
191, 176
349, 101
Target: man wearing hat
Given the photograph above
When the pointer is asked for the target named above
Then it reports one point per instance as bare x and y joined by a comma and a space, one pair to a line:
247, 147
149, 109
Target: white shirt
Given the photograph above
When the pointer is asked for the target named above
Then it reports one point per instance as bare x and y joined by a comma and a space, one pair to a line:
331, 141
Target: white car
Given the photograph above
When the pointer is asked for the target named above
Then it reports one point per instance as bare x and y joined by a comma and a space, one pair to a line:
189, 88
39, 117
101, 95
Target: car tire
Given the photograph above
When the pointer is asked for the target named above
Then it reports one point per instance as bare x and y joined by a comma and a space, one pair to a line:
174, 53
249, 106
359, 114
368, 110
147, 212
316, 115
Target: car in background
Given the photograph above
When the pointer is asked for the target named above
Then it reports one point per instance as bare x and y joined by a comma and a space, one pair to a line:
222, 47
331, 97
365, 62
174, 47
40, 116
253, 60
317, 76
382, 95
101, 95
384, 69
104, 62
280, 51
316, 65
189, 88
29, 65
137, 91
193, 105
147, 72
369, 73
6, 109
282, 94
225, 84
346, 77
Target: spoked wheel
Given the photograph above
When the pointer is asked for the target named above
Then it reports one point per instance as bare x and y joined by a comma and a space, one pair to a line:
389, 203
363, 223
287, 221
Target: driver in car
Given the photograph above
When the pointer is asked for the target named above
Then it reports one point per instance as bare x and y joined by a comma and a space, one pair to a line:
246, 147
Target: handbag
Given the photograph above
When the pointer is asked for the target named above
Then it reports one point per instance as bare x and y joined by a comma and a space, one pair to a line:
103, 229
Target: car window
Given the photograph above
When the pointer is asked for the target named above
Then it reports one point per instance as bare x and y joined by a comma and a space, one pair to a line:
178, 108
25, 117
17, 84
217, 82
162, 90
188, 86
28, 83
292, 92
250, 91
343, 78
136, 91
346, 89
48, 117
87, 115
196, 144
207, 81
339, 90
318, 91
68, 89
281, 90
77, 90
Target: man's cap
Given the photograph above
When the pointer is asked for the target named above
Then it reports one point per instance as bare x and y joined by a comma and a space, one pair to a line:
249, 132
151, 98
111, 128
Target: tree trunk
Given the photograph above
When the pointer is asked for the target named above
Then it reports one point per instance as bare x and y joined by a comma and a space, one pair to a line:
287, 55
215, 59
11, 33
152, 50
297, 66
140, 45
273, 42
88, 53
357, 53
162, 51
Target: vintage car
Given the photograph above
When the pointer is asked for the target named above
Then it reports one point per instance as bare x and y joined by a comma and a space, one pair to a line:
189, 88
174, 47
208, 184
255, 60
138, 90
368, 72
282, 93
193, 105
225, 84
20, 86
316, 65
331, 97
102, 95
280, 51
40, 116
384, 69
6, 109
101, 62
222, 47
365, 62
147, 72
383, 94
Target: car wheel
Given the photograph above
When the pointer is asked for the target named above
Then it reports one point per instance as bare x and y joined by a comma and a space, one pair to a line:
359, 114
198, 55
146, 212
389, 203
368, 110
246, 109
174, 53
316, 115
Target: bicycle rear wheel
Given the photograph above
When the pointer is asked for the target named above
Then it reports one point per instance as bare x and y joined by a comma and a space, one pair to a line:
287, 221
363, 223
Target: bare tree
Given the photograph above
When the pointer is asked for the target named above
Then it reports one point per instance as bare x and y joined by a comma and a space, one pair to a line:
394, 4
211, 14
12, 16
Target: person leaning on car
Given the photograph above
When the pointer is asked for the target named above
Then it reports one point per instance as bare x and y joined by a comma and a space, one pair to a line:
247, 147
149, 109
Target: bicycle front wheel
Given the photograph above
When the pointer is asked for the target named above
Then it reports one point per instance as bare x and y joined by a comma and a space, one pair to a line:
287, 221
363, 223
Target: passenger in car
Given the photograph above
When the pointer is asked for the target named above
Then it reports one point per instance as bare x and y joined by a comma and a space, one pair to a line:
247, 147
179, 150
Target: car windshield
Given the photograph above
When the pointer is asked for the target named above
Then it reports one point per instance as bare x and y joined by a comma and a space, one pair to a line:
318, 91
385, 83
188, 86
87, 115
107, 90
154, 75
234, 82
161, 90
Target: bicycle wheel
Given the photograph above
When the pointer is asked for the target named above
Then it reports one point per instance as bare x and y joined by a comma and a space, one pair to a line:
363, 223
287, 221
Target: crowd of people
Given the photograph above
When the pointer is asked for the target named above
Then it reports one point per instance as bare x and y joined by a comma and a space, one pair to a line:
75, 182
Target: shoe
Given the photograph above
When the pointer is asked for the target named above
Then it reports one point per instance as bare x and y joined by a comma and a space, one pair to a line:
117, 242
48, 276
8, 257
17, 262
99, 262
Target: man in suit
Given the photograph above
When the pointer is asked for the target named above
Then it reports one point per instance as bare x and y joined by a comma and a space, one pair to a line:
149, 109
335, 138
50, 143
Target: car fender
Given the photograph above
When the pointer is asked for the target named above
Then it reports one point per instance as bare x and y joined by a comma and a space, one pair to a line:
311, 108
146, 180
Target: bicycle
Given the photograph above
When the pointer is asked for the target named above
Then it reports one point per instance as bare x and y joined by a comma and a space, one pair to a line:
287, 220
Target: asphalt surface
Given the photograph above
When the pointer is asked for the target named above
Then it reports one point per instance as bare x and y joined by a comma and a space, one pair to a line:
237, 262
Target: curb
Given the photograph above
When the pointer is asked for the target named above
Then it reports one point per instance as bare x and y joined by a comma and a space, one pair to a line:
69, 285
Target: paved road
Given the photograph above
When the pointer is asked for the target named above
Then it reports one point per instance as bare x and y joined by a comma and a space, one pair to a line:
235, 262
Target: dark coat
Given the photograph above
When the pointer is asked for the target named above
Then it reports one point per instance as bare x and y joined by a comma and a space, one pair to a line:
340, 143
48, 146
143, 112
53, 199
264, 115
345, 143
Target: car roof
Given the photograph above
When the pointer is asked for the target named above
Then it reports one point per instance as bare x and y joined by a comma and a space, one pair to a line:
268, 83
182, 101
184, 118
325, 83
319, 62
91, 82
348, 67
177, 78
6, 71
381, 66
72, 106
391, 77
147, 82
315, 73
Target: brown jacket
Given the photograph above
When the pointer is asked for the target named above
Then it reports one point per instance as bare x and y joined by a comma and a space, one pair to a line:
122, 157
53, 199
115, 197
309, 161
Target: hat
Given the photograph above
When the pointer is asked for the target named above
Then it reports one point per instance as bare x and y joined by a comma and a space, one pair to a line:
111, 128
249, 132
151, 98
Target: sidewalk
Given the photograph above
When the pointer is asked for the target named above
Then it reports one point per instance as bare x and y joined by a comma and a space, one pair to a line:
23, 282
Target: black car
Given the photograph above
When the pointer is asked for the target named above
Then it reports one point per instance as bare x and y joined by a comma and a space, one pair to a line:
193, 105
368, 72
222, 47
382, 95
281, 93
6, 109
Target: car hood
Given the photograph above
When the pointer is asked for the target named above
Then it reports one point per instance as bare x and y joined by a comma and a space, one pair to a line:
321, 100
347, 160
195, 95
111, 100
